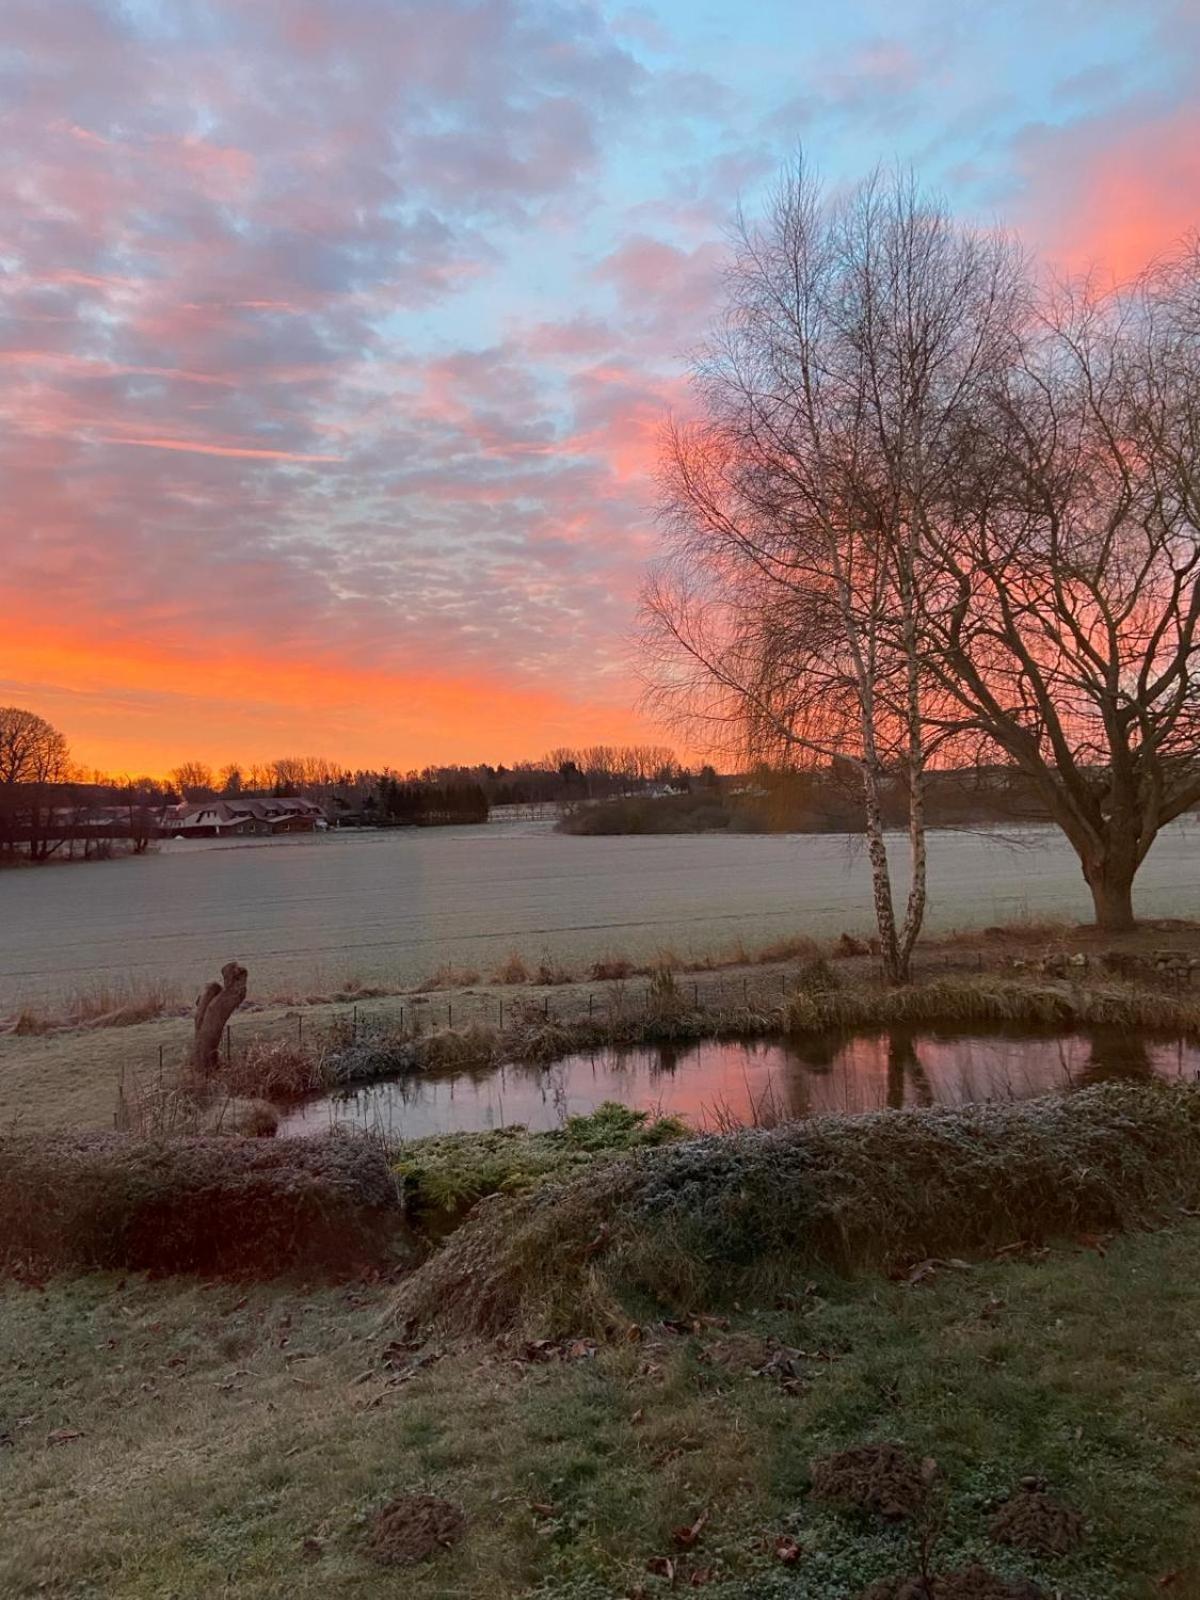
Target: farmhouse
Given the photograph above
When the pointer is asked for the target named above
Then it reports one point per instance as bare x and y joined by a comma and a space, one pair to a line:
210, 819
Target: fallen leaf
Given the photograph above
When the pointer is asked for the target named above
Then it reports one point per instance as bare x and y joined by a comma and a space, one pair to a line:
701, 1576
662, 1567
787, 1550
63, 1435
686, 1537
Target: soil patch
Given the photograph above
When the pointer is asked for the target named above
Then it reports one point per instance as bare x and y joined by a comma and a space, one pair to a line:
969, 1583
882, 1478
1036, 1522
414, 1527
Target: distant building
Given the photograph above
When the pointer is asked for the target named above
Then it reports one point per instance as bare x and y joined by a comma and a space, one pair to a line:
212, 819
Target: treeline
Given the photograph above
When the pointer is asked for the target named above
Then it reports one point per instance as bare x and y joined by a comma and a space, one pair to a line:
430, 804
822, 800
562, 774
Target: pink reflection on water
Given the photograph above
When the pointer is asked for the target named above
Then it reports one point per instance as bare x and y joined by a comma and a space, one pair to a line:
720, 1084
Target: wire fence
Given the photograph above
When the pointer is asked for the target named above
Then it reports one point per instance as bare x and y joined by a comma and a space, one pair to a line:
411, 1015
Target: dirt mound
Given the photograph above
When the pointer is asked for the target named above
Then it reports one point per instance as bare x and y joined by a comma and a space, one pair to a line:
882, 1478
414, 1527
95, 1201
1036, 1522
969, 1583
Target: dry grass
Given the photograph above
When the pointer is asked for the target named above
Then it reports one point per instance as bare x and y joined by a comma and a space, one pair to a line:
120, 1003
84, 1202
512, 970
448, 976
990, 1001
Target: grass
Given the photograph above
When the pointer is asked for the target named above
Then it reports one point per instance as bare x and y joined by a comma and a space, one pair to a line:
988, 1000
705, 1221
87, 1201
236, 1440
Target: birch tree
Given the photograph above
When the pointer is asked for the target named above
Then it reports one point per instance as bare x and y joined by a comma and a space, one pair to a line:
785, 613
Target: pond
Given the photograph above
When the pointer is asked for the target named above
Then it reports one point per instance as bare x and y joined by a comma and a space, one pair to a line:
718, 1084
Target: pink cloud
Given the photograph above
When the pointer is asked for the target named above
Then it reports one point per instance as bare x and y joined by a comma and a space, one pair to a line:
1114, 191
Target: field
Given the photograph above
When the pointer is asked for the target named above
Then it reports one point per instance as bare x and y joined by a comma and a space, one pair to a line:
306, 913
186, 1439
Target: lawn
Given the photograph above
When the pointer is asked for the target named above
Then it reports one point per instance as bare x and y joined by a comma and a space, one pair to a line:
180, 1438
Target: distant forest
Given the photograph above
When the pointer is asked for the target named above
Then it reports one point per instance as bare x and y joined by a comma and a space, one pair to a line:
820, 800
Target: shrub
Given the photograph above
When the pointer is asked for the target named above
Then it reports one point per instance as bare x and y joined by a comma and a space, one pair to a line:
611, 968
98, 1201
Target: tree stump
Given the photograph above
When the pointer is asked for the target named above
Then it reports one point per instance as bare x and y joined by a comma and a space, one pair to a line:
214, 1007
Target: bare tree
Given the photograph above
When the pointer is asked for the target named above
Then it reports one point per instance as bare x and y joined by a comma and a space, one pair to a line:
34, 761
193, 780
1061, 624
785, 616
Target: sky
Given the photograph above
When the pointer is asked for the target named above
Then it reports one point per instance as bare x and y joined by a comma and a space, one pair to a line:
337, 335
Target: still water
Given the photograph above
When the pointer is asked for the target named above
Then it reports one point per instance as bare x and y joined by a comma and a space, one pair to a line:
715, 1083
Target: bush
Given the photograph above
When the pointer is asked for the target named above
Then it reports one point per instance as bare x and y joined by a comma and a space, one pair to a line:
703, 1220
93, 1201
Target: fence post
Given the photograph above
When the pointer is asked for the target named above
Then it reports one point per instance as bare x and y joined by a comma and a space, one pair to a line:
449, 1013
500, 1003
546, 1008
354, 1027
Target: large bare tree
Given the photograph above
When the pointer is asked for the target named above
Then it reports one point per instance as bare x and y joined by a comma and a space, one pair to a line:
1063, 585
785, 615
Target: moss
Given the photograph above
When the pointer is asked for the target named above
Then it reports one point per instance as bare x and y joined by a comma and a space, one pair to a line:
446, 1174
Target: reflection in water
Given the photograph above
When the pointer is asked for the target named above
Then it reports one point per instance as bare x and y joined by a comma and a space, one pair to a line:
1115, 1054
904, 1068
720, 1083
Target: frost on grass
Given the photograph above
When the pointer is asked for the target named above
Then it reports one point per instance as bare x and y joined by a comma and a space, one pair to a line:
700, 1220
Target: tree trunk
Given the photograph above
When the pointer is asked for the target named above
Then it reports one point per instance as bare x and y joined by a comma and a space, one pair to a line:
214, 1007
894, 958
1112, 896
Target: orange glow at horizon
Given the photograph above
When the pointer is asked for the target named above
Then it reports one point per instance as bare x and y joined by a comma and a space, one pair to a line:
146, 709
